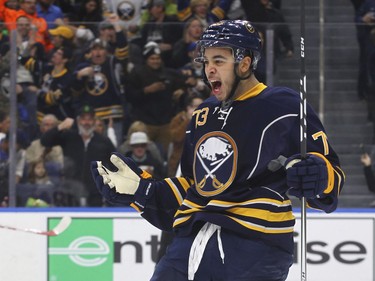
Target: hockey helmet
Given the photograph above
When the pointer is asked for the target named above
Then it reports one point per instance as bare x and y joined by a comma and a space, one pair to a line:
239, 35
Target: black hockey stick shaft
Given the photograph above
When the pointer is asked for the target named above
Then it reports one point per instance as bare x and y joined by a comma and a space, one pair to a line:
303, 129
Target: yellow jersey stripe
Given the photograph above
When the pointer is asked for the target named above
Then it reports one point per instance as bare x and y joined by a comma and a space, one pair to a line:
180, 220
263, 214
175, 190
262, 228
268, 201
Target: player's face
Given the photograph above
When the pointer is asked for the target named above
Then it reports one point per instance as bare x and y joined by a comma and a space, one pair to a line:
219, 65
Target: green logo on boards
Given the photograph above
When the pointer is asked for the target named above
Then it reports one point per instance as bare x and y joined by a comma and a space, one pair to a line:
83, 252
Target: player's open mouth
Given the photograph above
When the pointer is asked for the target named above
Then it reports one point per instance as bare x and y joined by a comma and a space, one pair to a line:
216, 85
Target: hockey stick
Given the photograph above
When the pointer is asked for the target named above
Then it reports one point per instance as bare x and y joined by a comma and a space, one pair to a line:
60, 228
303, 140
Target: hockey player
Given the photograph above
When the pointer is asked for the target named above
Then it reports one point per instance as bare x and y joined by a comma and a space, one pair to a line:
230, 212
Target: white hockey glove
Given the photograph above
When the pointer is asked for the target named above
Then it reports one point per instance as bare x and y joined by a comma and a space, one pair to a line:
124, 181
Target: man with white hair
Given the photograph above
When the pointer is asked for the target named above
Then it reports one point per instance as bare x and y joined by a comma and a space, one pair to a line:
80, 144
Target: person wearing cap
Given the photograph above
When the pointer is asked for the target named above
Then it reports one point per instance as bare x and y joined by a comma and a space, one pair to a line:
80, 144
53, 78
50, 12
111, 31
63, 31
139, 126
151, 87
61, 36
55, 94
142, 156
99, 82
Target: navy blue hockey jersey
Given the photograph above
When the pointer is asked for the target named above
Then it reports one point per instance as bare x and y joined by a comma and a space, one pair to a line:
225, 167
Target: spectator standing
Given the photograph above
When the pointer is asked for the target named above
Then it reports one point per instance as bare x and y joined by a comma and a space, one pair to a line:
99, 82
150, 93
112, 32
62, 36
80, 144
55, 93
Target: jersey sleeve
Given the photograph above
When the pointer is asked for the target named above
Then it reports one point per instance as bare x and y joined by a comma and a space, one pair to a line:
157, 201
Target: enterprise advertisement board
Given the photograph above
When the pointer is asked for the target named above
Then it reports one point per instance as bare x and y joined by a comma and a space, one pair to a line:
114, 246
98, 249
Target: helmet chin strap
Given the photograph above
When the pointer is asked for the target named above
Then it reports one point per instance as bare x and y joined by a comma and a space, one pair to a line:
237, 79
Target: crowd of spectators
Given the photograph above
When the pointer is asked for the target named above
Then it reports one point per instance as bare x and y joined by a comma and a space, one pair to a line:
91, 80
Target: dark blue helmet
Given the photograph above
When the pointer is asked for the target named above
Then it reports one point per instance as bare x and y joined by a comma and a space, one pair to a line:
239, 35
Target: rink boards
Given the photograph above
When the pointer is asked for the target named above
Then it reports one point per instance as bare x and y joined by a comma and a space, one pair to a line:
113, 244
